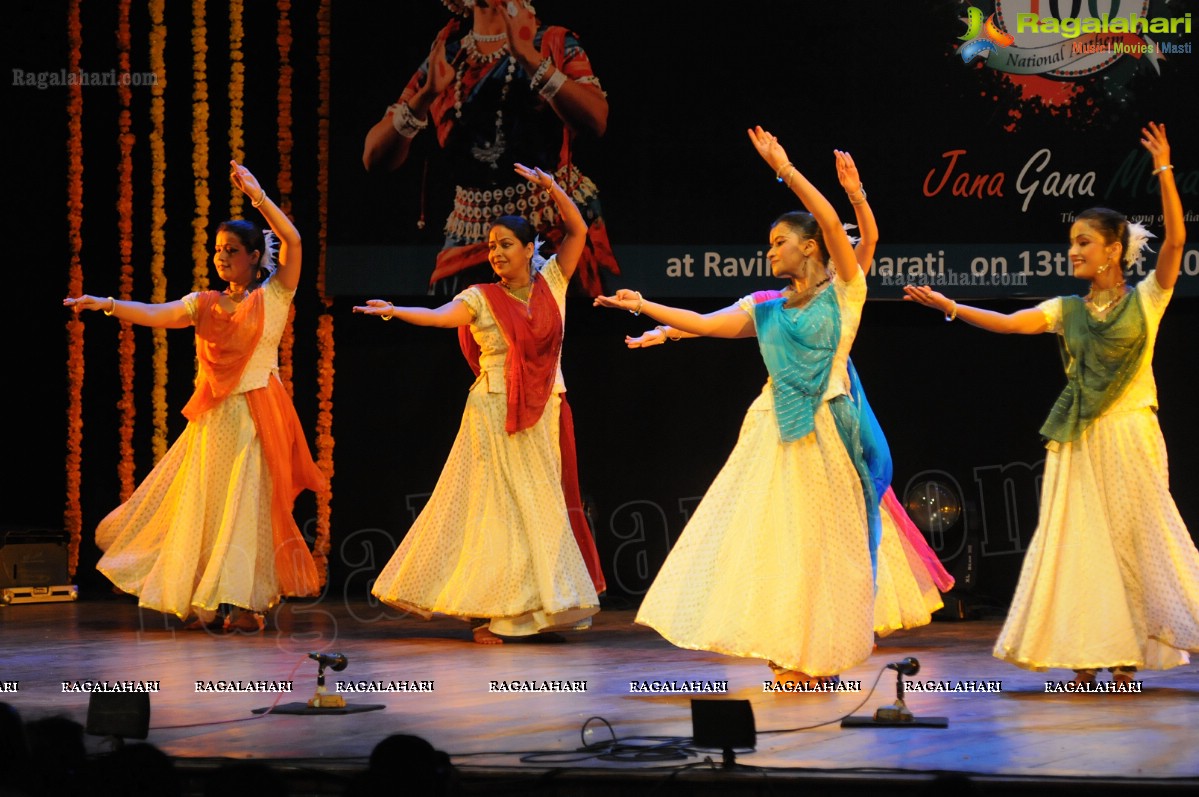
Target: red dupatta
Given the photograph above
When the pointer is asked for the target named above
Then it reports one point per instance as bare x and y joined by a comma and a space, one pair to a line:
534, 338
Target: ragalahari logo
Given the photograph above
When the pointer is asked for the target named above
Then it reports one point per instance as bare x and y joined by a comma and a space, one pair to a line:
1052, 38
982, 38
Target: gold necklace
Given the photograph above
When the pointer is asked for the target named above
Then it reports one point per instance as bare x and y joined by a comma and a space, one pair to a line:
521, 293
1113, 295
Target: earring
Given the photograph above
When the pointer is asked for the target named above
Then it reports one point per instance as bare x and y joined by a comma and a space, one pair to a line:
1104, 267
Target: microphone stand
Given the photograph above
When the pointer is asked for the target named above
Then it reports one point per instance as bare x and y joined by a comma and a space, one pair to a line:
322, 698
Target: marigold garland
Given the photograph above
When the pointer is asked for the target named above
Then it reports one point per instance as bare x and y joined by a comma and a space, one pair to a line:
237, 92
73, 513
158, 218
126, 342
324, 422
200, 146
284, 39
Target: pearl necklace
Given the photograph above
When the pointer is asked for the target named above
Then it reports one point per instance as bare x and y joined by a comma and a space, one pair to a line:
489, 152
488, 38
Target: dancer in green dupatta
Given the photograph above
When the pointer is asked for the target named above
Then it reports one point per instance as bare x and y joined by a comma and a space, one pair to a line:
1111, 576
775, 563
503, 541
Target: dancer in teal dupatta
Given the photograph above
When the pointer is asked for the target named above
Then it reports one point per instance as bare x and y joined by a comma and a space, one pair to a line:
775, 563
1111, 576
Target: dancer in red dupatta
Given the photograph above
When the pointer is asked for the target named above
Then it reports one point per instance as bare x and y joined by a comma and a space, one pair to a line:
503, 541
211, 526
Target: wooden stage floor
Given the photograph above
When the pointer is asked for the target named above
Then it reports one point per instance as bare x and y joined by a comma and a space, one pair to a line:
1021, 737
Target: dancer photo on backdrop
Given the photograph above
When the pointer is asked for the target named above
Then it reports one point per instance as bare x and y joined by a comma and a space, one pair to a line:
500, 87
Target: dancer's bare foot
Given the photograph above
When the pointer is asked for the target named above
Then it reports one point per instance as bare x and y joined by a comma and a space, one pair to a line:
1082, 677
483, 636
249, 622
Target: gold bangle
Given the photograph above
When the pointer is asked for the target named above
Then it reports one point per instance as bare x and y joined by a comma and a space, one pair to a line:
640, 303
861, 200
112, 306
779, 175
257, 203
953, 314
390, 309
665, 334
1163, 168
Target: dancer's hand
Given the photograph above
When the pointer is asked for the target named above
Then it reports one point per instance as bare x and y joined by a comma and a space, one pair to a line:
623, 299
847, 172
244, 181
926, 296
1153, 138
86, 302
377, 307
651, 337
769, 148
535, 175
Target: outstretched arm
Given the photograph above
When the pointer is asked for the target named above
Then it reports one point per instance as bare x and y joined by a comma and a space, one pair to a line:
573, 226
165, 315
288, 267
1169, 256
847, 174
840, 250
730, 322
1029, 321
449, 315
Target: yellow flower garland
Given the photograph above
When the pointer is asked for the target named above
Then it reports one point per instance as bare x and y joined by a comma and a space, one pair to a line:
237, 90
200, 146
73, 513
158, 219
126, 342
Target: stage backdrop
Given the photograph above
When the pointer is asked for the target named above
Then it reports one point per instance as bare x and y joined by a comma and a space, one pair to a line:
975, 151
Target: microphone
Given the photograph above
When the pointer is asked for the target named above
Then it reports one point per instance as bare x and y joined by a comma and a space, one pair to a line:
908, 666
338, 661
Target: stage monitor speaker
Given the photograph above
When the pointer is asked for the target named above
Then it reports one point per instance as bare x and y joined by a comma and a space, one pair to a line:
33, 558
725, 724
125, 715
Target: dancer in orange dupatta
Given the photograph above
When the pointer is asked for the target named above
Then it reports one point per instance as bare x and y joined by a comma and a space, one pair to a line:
503, 541
211, 526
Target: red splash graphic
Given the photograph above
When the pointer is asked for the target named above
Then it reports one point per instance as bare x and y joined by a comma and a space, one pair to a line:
1033, 95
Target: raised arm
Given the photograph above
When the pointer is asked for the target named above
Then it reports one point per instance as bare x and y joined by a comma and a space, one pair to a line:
1030, 321
1169, 255
287, 270
729, 322
573, 226
836, 241
847, 174
449, 315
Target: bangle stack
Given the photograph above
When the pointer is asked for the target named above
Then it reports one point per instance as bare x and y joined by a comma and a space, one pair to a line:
257, 203
539, 74
952, 314
1163, 168
112, 306
390, 309
783, 168
405, 122
665, 334
640, 304
861, 200
553, 85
